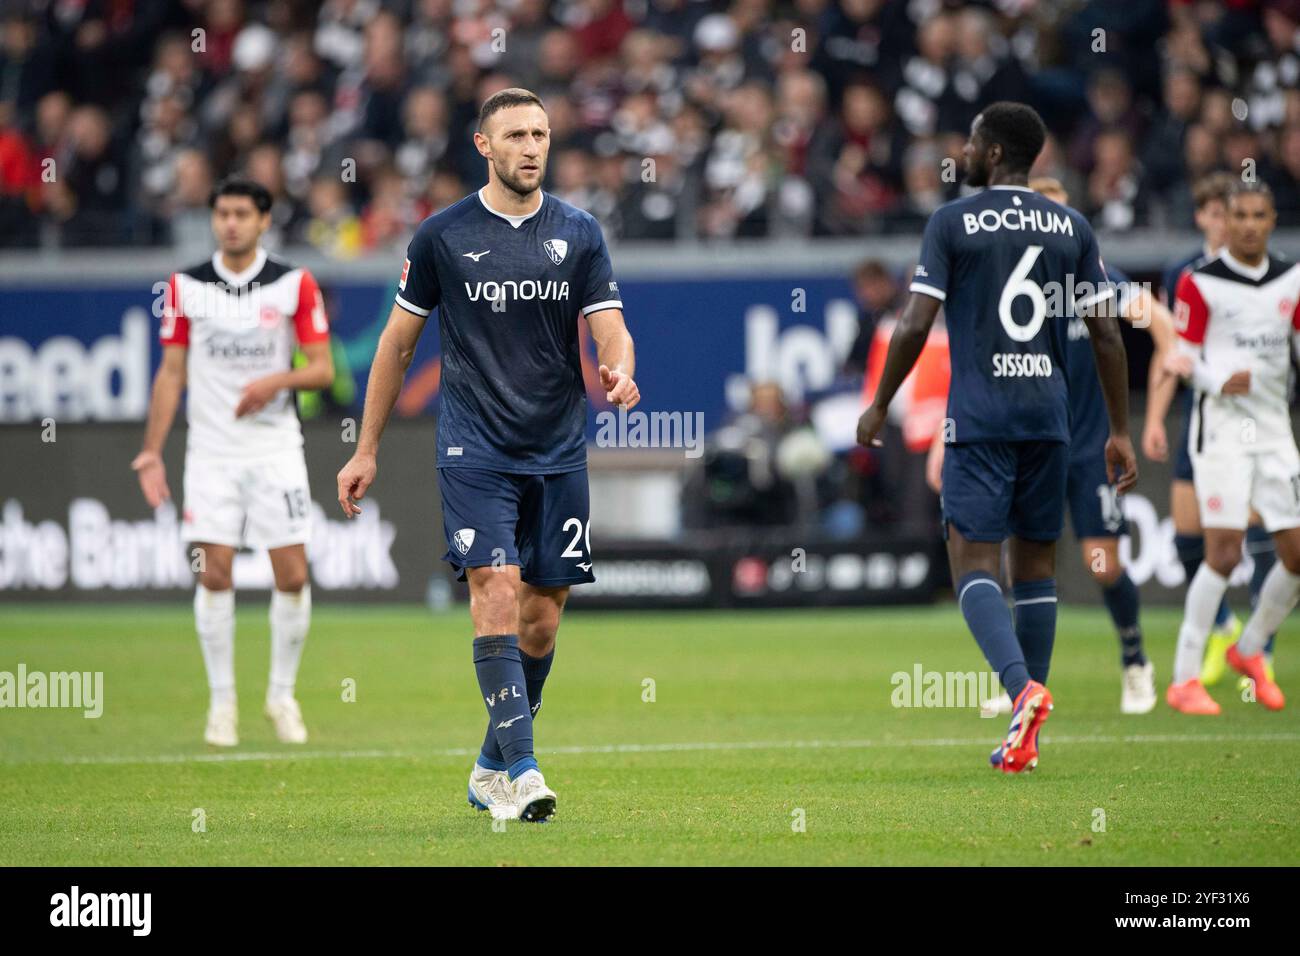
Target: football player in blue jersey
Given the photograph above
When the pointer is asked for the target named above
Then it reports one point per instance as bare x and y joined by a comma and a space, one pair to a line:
510, 269
1010, 268
1095, 512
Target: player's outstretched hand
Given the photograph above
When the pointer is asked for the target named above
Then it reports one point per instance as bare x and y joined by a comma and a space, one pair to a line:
869, 425
619, 388
254, 397
1155, 442
1121, 463
149, 468
355, 478
1238, 383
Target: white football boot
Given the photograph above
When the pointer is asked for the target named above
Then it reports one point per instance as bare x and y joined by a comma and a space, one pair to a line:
996, 706
223, 725
286, 717
533, 799
1139, 695
490, 790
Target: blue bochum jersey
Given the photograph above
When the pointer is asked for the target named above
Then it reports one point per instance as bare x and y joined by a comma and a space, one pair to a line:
1089, 423
1010, 267
508, 290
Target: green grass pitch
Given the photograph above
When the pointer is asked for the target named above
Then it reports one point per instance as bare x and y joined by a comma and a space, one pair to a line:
771, 739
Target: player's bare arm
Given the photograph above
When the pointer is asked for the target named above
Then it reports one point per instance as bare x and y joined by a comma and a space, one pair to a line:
1145, 312
617, 357
392, 358
904, 349
168, 384
317, 373
1112, 370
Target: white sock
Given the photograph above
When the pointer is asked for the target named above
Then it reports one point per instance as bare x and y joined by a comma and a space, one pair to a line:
290, 618
1277, 597
1204, 595
214, 619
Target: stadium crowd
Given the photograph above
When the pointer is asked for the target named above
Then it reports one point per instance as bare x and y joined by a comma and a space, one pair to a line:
671, 119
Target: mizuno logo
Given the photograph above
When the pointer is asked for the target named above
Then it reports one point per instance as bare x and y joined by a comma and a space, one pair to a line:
506, 723
585, 567
476, 256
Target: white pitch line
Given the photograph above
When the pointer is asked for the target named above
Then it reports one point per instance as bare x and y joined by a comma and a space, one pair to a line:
687, 747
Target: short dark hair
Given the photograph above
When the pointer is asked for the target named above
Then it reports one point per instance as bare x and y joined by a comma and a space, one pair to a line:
1211, 187
1018, 129
504, 99
1257, 187
241, 186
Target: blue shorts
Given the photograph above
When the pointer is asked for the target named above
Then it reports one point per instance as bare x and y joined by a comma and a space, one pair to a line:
538, 522
1095, 509
1183, 454
992, 490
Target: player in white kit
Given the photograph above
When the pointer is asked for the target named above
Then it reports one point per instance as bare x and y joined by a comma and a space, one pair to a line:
1237, 320
229, 329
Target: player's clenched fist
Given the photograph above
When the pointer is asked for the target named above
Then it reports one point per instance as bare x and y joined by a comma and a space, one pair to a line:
148, 467
869, 425
619, 388
357, 476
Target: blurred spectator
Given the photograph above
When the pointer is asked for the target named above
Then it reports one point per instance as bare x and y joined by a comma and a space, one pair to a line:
20, 178
332, 225
878, 294
88, 192
187, 213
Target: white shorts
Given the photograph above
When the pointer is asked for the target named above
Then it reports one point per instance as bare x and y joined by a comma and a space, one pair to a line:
1231, 482
263, 503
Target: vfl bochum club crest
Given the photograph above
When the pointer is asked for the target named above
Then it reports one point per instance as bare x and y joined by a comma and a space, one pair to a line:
557, 249
464, 539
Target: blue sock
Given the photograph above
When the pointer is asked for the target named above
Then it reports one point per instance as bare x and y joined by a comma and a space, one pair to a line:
501, 680
1191, 552
980, 597
1122, 601
535, 671
1259, 545
1036, 624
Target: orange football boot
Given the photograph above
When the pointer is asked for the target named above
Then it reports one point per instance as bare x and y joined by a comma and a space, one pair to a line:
1191, 697
1256, 668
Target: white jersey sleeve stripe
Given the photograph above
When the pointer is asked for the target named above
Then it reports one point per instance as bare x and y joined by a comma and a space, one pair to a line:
412, 308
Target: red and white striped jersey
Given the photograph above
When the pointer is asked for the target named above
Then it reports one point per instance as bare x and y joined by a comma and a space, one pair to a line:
1235, 317
240, 327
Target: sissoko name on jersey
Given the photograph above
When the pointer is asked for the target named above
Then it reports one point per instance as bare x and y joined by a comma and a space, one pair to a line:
508, 290
1010, 266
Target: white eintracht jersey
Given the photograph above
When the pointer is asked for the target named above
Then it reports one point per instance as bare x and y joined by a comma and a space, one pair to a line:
1234, 317
240, 327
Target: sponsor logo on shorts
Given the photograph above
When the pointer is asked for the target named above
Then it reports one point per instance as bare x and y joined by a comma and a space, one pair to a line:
1215, 503
455, 451
464, 540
